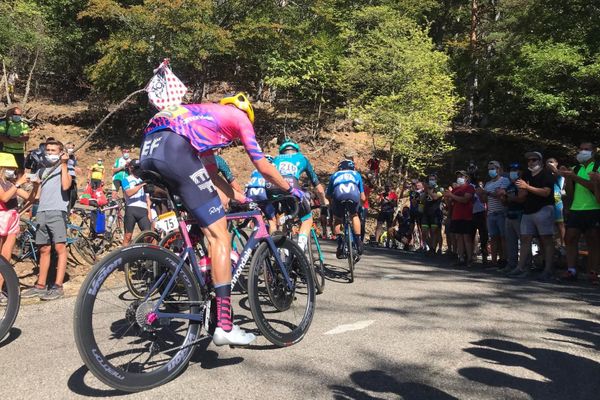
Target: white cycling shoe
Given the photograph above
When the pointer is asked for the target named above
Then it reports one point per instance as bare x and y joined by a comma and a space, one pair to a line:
236, 337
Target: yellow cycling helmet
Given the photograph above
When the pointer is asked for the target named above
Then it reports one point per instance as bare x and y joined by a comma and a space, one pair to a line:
241, 101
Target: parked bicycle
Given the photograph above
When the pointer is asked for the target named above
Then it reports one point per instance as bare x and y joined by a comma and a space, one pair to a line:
135, 344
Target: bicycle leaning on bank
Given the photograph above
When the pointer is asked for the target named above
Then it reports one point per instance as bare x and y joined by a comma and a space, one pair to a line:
135, 344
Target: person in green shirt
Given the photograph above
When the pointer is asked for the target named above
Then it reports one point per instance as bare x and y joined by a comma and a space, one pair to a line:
584, 212
14, 135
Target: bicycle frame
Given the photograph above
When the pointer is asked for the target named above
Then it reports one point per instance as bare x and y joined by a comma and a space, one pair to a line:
258, 235
315, 238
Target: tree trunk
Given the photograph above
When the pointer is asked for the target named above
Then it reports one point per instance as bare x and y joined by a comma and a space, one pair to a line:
28, 85
473, 44
317, 131
5, 79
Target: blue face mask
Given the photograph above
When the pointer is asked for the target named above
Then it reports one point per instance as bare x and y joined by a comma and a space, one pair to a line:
16, 118
514, 175
493, 173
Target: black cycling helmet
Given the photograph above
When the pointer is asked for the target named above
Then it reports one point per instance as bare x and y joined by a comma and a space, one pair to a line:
345, 165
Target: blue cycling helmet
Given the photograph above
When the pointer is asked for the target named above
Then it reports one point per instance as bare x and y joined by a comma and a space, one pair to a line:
269, 158
289, 144
345, 165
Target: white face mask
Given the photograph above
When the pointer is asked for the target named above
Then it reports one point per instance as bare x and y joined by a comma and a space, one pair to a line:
535, 168
584, 156
126, 155
70, 151
52, 157
460, 181
9, 173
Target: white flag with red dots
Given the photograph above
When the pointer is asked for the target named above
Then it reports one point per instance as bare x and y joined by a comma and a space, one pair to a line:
165, 89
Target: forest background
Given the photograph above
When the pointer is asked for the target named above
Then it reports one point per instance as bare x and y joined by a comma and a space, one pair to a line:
434, 82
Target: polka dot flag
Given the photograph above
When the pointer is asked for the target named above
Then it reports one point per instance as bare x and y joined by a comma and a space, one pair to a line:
165, 89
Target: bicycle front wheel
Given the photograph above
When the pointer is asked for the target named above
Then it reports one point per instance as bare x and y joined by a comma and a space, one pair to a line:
282, 310
11, 298
117, 336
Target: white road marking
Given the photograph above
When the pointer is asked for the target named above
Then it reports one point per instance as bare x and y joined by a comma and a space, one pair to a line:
349, 327
391, 276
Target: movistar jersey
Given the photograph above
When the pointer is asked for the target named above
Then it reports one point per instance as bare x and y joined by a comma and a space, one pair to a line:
294, 165
345, 185
208, 126
256, 187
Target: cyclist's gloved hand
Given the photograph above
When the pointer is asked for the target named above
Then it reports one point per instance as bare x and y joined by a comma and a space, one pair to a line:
299, 194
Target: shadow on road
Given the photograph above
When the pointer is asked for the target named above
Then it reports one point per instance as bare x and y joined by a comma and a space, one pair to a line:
13, 335
76, 384
563, 375
381, 382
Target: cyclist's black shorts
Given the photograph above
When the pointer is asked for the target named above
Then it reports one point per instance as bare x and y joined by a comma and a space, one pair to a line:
136, 215
338, 208
173, 157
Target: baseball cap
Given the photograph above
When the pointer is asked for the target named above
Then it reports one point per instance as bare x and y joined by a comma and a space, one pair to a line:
534, 154
495, 164
462, 172
515, 165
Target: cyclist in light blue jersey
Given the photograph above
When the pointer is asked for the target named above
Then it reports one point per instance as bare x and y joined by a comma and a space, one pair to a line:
346, 184
291, 164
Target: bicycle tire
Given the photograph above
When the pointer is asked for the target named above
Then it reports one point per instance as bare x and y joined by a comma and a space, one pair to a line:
85, 249
150, 237
316, 263
264, 275
124, 377
350, 252
8, 313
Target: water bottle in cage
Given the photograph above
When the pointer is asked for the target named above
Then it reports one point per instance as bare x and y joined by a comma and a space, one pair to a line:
205, 268
111, 219
235, 256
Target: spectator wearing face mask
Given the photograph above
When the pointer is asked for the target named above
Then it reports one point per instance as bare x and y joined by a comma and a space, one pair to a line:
514, 211
96, 174
584, 211
119, 170
14, 135
536, 187
496, 211
432, 213
461, 223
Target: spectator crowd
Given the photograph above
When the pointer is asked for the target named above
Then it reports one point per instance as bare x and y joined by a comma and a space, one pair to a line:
530, 214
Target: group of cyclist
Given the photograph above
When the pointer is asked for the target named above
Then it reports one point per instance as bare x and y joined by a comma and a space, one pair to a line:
180, 144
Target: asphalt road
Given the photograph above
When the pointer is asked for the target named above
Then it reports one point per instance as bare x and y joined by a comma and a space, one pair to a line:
409, 327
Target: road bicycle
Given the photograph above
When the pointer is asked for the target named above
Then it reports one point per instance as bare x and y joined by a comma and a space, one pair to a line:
25, 248
135, 344
136, 278
11, 297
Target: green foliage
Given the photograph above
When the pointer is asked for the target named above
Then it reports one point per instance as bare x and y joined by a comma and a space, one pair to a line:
400, 85
142, 35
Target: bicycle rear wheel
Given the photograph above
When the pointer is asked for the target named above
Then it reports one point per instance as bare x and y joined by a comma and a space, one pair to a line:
314, 257
9, 289
350, 248
150, 237
283, 314
115, 334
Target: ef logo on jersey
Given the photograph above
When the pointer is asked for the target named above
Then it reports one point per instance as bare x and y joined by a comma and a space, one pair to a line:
149, 146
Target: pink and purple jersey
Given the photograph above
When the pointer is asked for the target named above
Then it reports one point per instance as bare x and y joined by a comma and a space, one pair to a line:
208, 126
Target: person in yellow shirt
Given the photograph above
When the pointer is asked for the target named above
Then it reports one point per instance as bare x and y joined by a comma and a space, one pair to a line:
14, 135
96, 174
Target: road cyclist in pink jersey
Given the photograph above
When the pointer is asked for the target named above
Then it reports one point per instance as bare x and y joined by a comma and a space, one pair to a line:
178, 144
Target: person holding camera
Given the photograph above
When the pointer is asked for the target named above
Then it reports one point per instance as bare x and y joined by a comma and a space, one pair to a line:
53, 191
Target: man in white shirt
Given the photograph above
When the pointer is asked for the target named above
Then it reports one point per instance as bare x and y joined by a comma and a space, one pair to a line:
137, 203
